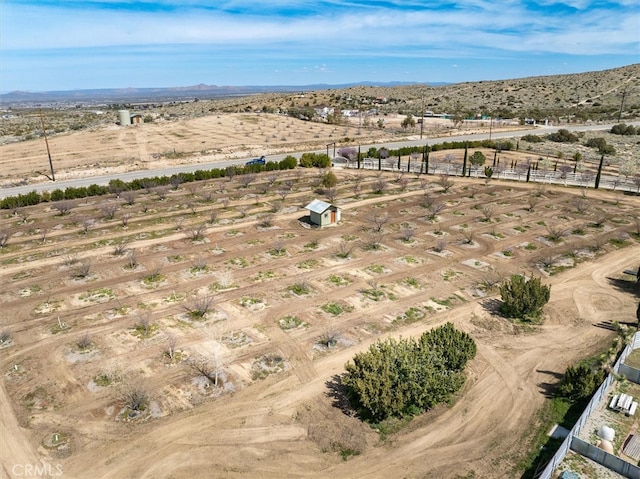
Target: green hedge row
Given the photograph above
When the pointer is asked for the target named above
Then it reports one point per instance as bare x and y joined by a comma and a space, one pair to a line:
117, 186
290, 162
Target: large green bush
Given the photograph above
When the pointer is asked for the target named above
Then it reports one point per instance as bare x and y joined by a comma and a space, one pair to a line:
396, 378
522, 298
580, 382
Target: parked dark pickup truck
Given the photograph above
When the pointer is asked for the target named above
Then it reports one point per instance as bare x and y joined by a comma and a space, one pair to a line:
257, 161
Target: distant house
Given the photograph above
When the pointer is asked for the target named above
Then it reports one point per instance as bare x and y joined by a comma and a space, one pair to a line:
136, 119
323, 111
322, 213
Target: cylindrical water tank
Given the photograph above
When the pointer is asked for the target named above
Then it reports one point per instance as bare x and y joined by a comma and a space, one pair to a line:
125, 117
607, 433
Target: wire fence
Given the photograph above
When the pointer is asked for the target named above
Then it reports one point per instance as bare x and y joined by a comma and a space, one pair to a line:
584, 179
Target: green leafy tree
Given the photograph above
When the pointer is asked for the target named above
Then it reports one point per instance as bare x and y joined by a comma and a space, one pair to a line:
289, 162
563, 136
408, 121
580, 382
477, 159
457, 347
522, 298
396, 378
319, 160
329, 179
623, 129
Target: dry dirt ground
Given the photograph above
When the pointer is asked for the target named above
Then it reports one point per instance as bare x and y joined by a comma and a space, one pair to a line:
275, 411
111, 148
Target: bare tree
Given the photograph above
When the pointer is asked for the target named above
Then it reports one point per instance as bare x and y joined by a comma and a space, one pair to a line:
532, 201
5, 336
206, 368
373, 241
176, 180
172, 341
200, 263
86, 224
600, 219
467, 236
246, 180
199, 306
487, 212
580, 204
129, 197
357, 180
301, 287
43, 235
449, 159
329, 338
379, 185
4, 238
445, 182
266, 221
407, 233
22, 213
331, 194
278, 248
213, 216
283, 193
63, 206
178, 221
108, 209
348, 152
143, 324
491, 281
555, 233
473, 190
196, 233
434, 210
162, 191
272, 178
132, 259
440, 245
193, 207
124, 220
244, 210
84, 342
135, 397
636, 225
276, 205
121, 247
345, 249
83, 270
377, 220
224, 279
545, 261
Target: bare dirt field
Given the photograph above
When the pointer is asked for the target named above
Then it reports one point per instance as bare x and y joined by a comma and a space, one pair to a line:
110, 148
229, 278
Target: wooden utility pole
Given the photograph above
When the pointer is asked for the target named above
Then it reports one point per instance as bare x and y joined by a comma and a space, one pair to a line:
44, 131
422, 118
624, 95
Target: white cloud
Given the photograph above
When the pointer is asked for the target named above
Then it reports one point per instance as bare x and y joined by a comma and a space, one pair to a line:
472, 26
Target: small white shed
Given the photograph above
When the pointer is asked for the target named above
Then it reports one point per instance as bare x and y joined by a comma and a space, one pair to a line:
323, 213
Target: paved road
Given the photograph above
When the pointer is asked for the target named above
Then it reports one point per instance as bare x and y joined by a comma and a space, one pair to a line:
131, 175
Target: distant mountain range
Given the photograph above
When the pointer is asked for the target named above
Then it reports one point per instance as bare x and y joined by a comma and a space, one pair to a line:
202, 91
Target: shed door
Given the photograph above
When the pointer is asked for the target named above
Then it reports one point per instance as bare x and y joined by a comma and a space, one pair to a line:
333, 216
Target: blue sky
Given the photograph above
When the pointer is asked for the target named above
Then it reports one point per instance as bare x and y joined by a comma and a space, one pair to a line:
65, 45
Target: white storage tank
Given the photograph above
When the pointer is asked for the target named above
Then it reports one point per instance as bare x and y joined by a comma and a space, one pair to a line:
125, 117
